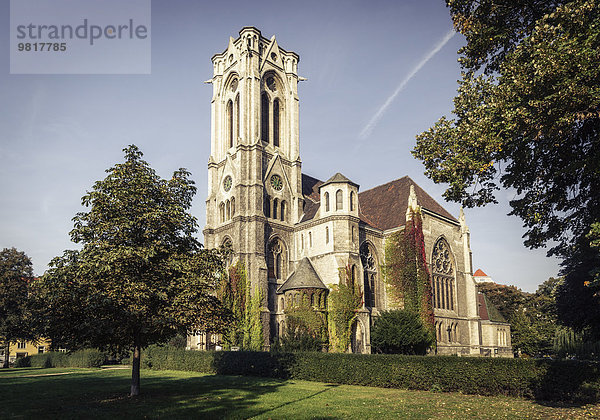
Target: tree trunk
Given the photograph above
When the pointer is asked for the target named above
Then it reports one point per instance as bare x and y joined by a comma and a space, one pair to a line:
135, 370
6, 354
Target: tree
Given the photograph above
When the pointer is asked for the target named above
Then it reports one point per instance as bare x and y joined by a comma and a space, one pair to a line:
141, 277
401, 331
15, 321
527, 118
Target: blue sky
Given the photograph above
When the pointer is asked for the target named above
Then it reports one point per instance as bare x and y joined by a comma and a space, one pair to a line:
58, 133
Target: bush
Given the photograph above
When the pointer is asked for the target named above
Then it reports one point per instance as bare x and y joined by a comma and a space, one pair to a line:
556, 380
83, 358
22, 362
401, 332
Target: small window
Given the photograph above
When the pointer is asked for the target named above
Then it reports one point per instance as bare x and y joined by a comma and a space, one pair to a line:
302, 241
310, 239
276, 123
228, 206
21, 345
283, 209
41, 349
230, 123
339, 200
232, 206
264, 118
275, 204
326, 234
267, 206
326, 201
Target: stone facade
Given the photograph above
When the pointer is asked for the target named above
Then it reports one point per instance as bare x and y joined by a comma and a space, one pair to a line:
277, 218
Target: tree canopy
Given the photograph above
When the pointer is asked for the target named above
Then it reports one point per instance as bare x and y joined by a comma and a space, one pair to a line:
141, 276
527, 118
16, 273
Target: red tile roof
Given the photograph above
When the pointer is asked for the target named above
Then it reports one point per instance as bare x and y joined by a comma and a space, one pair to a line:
479, 273
384, 207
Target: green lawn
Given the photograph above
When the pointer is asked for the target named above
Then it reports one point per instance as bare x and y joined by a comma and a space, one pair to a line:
92, 393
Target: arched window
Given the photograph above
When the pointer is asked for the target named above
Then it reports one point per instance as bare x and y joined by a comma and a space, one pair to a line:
302, 241
369, 263
283, 209
267, 206
232, 206
276, 123
310, 239
352, 201
230, 123
339, 200
228, 206
276, 260
443, 280
237, 116
275, 204
222, 211
264, 118
326, 234
326, 201
353, 274
281, 304
353, 233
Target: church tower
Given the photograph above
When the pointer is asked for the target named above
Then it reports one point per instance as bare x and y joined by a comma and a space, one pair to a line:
254, 169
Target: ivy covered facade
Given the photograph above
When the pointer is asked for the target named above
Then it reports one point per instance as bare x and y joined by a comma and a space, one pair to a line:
295, 234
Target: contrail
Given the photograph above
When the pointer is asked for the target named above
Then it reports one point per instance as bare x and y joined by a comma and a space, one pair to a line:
369, 127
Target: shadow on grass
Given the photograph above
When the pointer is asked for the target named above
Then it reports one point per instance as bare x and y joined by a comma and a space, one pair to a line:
103, 394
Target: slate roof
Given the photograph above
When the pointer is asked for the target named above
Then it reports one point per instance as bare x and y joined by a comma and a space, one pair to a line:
338, 177
305, 277
384, 206
487, 311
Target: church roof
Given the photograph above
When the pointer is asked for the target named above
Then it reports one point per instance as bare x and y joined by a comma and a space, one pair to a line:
305, 277
384, 206
338, 178
487, 311
479, 273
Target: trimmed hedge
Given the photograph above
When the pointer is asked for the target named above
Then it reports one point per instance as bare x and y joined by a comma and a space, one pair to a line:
549, 380
83, 358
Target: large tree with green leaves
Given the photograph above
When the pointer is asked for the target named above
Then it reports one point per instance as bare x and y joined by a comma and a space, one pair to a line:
527, 118
16, 273
141, 277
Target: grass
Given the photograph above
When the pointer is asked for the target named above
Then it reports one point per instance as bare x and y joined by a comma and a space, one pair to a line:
93, 393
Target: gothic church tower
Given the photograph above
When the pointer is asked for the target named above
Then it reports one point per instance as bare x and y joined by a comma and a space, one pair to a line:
254, 169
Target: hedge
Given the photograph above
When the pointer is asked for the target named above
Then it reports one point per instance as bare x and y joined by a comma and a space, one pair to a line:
548, 380
83, 358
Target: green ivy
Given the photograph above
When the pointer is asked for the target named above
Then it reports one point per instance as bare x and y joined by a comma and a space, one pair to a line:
405, 271
246, 330
345, 299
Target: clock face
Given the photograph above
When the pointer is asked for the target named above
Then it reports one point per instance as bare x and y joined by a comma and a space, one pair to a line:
276, 182
227, 183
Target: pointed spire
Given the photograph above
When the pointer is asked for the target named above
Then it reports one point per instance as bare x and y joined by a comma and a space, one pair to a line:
413, 205
463, 222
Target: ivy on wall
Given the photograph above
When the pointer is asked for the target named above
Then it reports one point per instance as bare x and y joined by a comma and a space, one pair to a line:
405, 271
306, 326
246, 329
345, 299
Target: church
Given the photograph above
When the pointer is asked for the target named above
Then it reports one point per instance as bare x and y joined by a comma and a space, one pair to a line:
294, 232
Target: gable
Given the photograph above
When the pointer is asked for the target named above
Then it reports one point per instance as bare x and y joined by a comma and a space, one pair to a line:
384, 206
